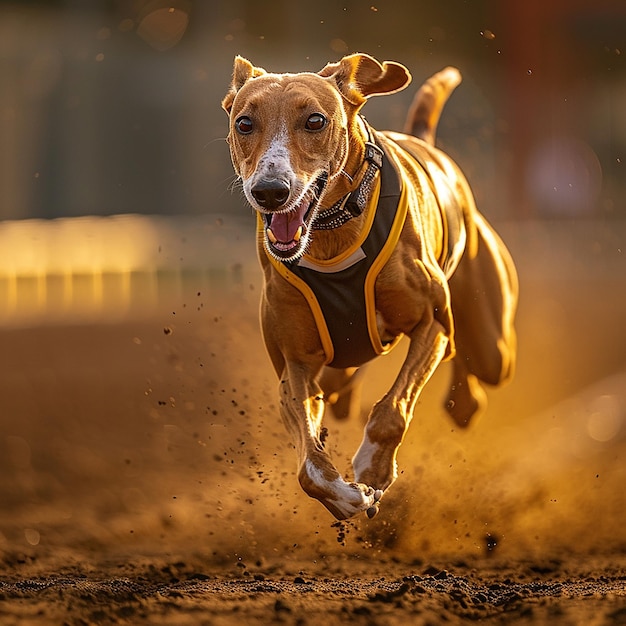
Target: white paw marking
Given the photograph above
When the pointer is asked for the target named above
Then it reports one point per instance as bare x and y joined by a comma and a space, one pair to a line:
364, 456
363, 460
348, 498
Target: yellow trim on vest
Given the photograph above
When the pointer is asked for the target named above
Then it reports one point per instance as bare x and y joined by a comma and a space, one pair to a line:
377, 266
367, 226
370, 279
307, 292
443, 254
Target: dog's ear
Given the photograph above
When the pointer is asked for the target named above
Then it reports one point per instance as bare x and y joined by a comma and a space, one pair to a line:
243, 71
360, 76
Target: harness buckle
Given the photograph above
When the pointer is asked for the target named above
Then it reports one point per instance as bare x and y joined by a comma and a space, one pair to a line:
374, 154
357, 200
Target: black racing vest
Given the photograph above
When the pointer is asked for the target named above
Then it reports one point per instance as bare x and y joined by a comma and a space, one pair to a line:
345, 297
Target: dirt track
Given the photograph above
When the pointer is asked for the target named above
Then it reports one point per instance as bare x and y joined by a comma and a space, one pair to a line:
145, 477
181, 593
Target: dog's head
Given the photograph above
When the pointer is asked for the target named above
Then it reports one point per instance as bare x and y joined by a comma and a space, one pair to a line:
290, 135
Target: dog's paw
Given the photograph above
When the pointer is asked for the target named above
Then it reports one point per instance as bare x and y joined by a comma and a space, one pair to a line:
343, 499
373, 510
357, 498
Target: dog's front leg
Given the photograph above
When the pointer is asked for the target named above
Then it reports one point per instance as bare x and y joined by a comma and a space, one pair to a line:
302, 409
375, 460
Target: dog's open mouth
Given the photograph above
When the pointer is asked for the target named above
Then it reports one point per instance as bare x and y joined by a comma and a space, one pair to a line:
287, 233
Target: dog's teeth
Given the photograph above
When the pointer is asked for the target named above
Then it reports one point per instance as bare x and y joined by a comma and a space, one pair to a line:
298, 234
271, 236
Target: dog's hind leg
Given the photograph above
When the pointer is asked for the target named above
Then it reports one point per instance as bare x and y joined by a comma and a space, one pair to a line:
466, 398
424, 113
342, 391
484, 298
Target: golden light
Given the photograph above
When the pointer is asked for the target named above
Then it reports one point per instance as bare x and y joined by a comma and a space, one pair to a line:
164, 27
73, 267
107, 268
605, 418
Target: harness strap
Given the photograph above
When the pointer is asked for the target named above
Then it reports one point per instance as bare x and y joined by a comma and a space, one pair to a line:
355, 202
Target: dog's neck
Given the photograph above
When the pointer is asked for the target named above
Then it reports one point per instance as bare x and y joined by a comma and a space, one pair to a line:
346, 180
326, 244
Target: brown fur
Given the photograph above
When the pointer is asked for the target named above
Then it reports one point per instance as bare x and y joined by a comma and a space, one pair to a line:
467, 317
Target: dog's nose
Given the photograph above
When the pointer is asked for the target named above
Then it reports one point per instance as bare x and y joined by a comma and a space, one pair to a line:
270, 194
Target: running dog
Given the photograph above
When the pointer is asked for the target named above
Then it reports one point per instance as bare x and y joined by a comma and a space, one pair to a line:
365, 237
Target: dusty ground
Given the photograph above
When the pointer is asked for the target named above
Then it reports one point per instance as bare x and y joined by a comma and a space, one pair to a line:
145, 477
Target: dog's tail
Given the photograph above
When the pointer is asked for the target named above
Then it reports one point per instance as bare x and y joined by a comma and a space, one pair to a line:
428, 103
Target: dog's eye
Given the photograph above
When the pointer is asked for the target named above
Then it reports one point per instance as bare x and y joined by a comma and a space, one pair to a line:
244, 125
315, 122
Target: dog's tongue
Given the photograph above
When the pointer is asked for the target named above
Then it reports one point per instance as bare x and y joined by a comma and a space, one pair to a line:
285, 225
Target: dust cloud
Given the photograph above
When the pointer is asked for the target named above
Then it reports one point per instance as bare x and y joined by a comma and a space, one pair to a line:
157, 432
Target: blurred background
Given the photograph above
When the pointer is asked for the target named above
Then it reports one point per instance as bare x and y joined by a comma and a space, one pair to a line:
136, 400
112, 106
